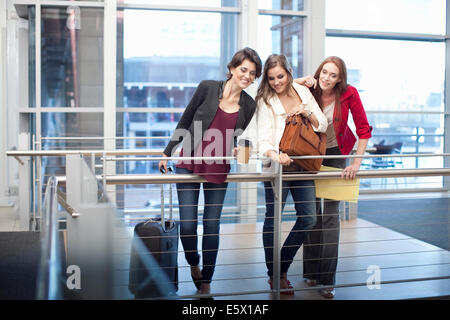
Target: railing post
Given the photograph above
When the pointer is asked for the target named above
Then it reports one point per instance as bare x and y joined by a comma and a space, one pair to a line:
26, 185
38, 162
93, 162
352, 210
278, 198
104, 171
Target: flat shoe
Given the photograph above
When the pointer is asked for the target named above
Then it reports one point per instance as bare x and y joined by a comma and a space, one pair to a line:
328, 293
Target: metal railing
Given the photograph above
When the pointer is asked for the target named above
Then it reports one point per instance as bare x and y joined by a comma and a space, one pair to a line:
50, 272
108, 156
275, 177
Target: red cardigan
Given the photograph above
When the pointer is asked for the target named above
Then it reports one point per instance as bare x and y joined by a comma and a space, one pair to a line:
346, 139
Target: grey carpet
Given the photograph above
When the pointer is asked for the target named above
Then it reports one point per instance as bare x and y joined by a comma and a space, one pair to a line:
19, 261
424, 219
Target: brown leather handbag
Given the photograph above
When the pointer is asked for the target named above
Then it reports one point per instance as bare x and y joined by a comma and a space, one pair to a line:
300, 139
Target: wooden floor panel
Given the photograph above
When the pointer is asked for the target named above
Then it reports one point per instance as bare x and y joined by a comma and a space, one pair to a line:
241, 266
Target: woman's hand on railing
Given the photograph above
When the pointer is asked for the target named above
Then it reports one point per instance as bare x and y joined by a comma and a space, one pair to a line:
281, 158
349, 173
284, 159
163, 165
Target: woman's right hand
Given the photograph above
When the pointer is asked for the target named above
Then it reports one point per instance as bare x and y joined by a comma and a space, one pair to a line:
308, 81
281, 158
163, 165
284, 159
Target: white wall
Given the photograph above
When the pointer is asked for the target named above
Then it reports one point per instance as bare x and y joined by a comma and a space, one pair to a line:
3, 107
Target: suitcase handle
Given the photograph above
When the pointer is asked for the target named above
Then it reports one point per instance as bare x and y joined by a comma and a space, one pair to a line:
163, 171
163, 220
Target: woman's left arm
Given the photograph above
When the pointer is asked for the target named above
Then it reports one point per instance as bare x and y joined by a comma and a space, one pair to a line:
363, 130
350, 171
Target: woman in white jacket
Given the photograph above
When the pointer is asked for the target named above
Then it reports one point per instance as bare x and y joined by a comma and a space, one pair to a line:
278, 96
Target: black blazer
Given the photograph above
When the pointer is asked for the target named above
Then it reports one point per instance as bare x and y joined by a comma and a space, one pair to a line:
201, 110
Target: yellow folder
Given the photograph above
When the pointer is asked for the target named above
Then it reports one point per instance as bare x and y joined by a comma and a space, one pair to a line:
337, 189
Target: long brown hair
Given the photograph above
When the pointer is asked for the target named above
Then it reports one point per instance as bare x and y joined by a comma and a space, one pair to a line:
265, 91
338, 89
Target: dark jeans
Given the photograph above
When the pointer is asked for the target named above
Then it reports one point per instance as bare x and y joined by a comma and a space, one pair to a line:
320, 251
303, 193
188, 195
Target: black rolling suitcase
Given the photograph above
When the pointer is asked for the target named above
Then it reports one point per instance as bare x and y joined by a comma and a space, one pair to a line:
155, 242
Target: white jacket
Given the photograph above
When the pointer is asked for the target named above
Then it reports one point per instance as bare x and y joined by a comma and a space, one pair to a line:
271, 120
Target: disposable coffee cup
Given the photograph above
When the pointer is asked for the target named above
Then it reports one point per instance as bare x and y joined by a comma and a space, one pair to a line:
244, 150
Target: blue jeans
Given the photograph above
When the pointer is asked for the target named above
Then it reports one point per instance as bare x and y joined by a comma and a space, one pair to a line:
188, 195
304, 195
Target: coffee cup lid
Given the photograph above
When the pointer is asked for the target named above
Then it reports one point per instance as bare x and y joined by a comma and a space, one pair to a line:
244, 143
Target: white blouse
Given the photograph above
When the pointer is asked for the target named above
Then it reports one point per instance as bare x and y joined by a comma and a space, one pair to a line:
271, 120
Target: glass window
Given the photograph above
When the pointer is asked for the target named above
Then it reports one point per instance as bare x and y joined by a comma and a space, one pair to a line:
411, 16
72, 57
390, 77
282, 35
281, 4
403, 83
161, 73
164, 74
162, 56
71, 76
69, 131
147, 130
70, 124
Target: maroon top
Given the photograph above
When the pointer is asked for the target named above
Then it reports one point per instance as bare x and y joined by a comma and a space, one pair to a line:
215, 143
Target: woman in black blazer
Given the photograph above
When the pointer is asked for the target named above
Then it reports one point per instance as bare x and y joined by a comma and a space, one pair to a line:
216, 114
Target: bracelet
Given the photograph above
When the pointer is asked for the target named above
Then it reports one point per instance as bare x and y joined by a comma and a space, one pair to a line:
309, 115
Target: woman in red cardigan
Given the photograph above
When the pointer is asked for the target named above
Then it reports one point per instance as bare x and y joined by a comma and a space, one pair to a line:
336, 99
